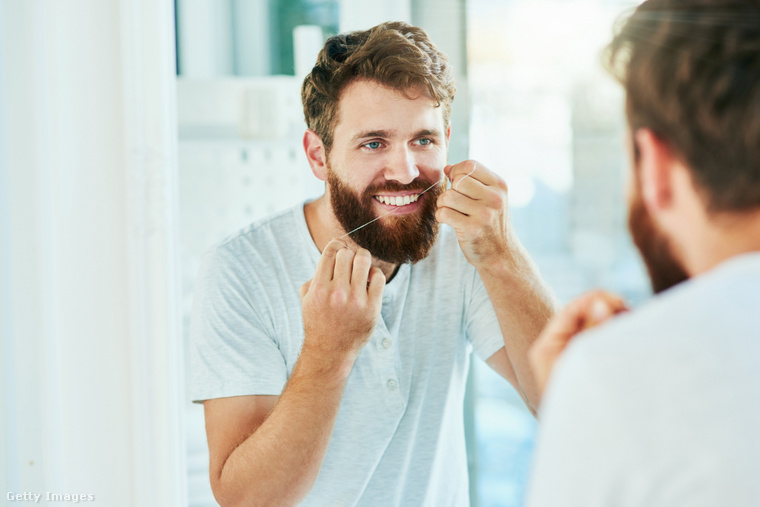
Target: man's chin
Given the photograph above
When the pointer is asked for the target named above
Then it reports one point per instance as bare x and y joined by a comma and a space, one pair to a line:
395, 250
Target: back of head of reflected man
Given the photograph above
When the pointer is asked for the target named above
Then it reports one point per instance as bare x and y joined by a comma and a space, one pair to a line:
691, 73
377, 105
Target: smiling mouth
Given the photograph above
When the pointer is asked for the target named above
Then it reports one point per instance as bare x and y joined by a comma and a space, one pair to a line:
400, 200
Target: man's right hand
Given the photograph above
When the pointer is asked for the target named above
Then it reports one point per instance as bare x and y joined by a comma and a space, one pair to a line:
341, 304
587, 311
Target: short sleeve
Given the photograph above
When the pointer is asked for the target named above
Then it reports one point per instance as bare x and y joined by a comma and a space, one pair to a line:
233, 351
481, 325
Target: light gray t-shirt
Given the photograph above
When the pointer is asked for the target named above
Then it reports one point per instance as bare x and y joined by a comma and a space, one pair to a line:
399, 436
661, 407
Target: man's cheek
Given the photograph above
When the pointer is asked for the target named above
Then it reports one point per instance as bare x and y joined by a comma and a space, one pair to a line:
431, 166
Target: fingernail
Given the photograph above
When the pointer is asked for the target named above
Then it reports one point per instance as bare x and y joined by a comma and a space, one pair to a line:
599, 310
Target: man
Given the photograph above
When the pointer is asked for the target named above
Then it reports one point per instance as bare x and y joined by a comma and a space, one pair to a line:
661, 406
350, 393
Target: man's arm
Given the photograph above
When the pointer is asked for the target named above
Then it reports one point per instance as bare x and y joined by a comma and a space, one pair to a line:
268, 450
476, 207
523, 306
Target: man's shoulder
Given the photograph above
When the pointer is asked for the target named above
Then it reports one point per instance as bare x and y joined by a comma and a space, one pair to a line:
700, 328
259, 234
269, 247
705, 309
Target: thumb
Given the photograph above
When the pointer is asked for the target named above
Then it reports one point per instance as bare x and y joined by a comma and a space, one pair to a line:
305, 288
376, 285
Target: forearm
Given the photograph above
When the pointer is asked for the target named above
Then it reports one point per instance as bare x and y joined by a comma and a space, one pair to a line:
523, 304
279, 462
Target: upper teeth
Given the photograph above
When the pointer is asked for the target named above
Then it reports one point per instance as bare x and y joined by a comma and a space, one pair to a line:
397, 200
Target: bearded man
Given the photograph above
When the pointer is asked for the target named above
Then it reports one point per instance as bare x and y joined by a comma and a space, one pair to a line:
332, 341
661, 406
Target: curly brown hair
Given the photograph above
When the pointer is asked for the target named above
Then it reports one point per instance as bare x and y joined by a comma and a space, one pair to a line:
394, 54
691, 72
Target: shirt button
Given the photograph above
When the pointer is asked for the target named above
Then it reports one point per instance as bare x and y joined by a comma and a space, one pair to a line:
392, 384
387, 343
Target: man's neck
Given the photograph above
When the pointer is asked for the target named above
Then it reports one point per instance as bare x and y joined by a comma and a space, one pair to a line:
324, 227
725, 236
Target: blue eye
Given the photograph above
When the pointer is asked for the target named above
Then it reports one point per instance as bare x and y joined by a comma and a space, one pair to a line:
373, 145
425, 141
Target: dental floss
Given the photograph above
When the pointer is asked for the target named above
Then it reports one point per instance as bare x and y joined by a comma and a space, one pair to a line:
381, 216
392, 211
465, 177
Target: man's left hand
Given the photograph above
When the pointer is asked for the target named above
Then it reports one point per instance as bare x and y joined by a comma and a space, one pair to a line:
476, 206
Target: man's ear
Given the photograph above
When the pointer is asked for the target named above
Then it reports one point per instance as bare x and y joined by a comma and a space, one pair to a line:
656, 170
315, 154
448, 134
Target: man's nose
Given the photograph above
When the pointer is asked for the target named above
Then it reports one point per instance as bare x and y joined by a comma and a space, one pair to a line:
402, 166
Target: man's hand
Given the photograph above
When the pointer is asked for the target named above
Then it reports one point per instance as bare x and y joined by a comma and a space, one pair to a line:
341, 304
587, 311
267, 450
476, 206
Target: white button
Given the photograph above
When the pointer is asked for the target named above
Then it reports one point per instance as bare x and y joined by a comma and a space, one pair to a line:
387, 343
392, 384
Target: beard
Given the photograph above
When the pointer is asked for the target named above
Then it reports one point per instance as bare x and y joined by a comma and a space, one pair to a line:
655, 248
396, 239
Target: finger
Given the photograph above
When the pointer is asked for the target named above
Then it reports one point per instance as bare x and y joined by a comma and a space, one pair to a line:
376, 285
458, 172
326, 264
305, 288
458, 202
360, 271
571, 320
602, 306
453, 218
469, 186
343, 264
586, 311
472, 169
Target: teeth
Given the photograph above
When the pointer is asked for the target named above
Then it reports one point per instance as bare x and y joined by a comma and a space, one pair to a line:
397, 200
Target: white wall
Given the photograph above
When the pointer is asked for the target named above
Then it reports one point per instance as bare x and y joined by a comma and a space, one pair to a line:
91, 354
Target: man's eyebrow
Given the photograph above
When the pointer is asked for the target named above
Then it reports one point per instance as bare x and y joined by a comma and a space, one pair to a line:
386, 134
425, 132
383, 134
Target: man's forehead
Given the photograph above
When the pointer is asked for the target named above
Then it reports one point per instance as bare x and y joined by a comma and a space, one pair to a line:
365, 86
367, 106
